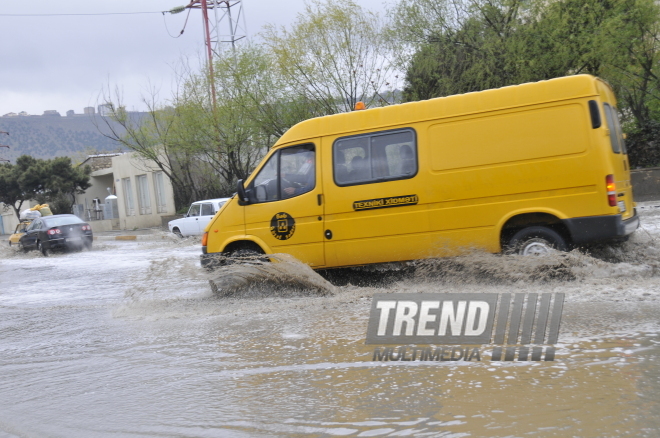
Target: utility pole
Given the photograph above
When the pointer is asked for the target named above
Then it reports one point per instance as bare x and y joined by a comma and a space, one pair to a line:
214, 13
4, 146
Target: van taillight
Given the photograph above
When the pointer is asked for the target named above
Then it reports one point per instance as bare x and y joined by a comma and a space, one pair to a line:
205, 238
611, 190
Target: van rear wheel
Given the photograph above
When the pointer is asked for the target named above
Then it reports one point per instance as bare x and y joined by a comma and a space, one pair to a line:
536, 240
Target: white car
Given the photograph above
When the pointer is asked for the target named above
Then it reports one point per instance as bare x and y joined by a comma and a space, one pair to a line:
199, 215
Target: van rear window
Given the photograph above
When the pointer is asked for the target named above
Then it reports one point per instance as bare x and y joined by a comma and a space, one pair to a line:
376, 157
616, 135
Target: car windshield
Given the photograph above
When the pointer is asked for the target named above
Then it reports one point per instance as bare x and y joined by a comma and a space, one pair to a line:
59, 221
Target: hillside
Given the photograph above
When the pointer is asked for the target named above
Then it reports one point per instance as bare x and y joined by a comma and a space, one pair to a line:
54, 136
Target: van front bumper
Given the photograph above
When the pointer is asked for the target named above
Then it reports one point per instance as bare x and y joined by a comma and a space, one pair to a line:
599, 228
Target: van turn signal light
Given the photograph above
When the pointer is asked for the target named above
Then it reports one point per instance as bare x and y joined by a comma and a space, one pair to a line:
611, 190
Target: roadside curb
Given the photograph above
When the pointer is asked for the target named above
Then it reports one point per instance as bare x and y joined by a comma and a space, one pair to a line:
131, 238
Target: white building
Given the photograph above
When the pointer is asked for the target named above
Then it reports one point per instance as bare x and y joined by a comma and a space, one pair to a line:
144, 193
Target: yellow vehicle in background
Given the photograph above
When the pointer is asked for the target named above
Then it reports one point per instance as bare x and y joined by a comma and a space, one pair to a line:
18, 232
525, 168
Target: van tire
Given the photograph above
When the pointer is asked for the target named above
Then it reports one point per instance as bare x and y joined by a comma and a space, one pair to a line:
536, 241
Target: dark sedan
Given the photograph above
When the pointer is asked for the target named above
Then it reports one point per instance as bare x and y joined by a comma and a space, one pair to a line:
59, 231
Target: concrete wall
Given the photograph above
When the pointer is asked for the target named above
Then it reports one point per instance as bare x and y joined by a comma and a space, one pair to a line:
646, 184
104, 225
9, 219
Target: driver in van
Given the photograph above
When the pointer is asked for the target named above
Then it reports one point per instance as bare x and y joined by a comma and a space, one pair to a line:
295, 188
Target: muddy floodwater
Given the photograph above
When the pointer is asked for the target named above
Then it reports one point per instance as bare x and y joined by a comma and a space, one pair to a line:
128, 340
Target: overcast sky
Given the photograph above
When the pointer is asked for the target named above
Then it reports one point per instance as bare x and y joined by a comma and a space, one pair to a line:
62, 63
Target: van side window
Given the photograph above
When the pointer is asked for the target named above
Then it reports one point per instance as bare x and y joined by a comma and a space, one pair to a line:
265, 185
288, 173
376, 157
619, 131
611, 124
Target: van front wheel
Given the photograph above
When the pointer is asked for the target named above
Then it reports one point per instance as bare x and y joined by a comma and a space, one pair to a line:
536, 241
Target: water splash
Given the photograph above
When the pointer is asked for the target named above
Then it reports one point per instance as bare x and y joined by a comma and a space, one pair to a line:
280, 275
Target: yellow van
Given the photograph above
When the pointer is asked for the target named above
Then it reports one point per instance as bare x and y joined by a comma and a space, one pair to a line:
525, 168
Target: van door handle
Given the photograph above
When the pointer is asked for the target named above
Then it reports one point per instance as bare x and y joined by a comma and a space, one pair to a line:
319, 199
621, 194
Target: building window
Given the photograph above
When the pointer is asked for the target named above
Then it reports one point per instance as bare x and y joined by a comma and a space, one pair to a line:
143, 194
128, 196
159, 185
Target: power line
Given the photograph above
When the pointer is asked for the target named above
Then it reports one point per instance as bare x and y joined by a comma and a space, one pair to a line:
71, 15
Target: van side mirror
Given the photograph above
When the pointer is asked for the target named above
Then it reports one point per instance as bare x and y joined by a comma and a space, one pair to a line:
242, 196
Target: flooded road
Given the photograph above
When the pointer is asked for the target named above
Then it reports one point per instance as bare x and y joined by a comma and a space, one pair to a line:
128, 340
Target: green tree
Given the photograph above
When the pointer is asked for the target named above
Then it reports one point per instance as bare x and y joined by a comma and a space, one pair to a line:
54, 181
335, 54
458, 46
62, 182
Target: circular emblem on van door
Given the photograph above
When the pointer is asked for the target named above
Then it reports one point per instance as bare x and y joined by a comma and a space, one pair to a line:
282, 226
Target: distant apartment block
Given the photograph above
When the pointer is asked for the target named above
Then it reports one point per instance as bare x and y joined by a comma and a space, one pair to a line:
89, 110
52, 113
70, 113
105, 109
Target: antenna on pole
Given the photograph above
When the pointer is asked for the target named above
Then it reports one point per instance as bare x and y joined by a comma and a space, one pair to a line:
214, 14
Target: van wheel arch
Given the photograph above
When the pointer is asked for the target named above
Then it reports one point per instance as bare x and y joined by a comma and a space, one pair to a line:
244, 251
242, 247
516, 224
